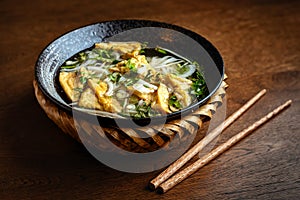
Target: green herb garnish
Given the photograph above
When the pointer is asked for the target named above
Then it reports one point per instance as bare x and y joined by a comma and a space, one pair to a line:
161, 50
131, 66
83, 79
173, 101
104, 55
142, 51
115, 77
182, 68
75, 61
143, 111
68, 66
199, 87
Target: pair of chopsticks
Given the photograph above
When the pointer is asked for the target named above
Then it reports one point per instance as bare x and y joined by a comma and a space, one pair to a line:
163, 184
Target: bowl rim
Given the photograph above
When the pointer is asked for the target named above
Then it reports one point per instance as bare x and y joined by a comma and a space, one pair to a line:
141, 121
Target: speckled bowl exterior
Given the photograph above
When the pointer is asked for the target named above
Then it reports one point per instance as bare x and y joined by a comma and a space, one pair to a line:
169, 36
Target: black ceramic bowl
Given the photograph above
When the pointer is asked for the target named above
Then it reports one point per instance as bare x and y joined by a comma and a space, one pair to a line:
183, 41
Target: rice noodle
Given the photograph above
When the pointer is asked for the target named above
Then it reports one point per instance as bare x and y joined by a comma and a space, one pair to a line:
192, 69
176, 54
144, 87
157, 62
98, 69
142, 70
71, 69
110, 90
88, 63
141, 102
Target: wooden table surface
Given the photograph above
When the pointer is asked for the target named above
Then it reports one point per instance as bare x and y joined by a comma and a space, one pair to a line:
260, 45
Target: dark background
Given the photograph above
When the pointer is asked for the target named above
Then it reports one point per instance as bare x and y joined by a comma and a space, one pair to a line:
259, 41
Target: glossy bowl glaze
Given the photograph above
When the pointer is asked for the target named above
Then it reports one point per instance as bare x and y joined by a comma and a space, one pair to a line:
178, 39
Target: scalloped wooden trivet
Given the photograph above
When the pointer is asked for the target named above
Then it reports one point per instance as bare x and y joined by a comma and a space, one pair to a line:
129, 139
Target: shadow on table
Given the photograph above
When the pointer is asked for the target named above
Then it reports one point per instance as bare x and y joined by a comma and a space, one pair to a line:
38, 153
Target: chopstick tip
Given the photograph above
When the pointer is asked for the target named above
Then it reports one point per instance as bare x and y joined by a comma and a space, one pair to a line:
288, 102
263, 91
151, 186
160, 190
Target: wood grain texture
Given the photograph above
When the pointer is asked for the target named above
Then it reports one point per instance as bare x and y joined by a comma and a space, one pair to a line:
259, 41
197, 148
194, 167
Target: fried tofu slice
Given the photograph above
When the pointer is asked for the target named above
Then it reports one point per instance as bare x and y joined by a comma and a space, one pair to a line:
70, 84
181, 88
120, 67
137, 61
121, 47
179, 82
183, 97
129, 55
147, 97
88, 99
98, 86
108, 104
163, 98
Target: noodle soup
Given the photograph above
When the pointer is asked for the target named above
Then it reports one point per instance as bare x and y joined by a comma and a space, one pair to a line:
129, 79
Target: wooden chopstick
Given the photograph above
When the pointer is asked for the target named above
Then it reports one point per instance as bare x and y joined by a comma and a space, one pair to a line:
154, 183
177, 178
